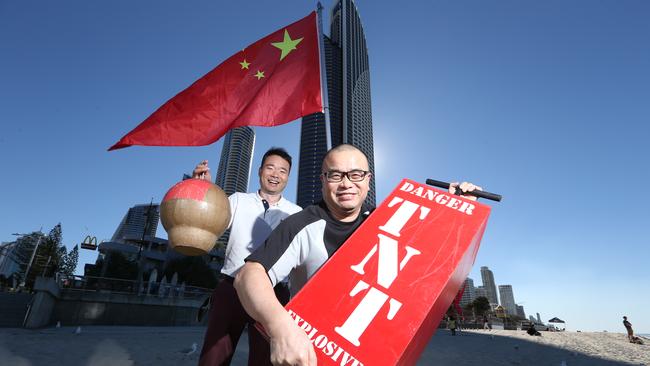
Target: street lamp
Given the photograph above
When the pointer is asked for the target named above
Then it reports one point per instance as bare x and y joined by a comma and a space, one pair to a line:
31, 260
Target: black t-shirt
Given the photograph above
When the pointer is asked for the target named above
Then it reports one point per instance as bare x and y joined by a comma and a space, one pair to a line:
300, 245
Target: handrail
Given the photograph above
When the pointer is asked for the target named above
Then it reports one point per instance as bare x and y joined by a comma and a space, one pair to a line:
123, 286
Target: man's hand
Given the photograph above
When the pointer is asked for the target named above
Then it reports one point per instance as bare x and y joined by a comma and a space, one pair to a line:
464, 188
202, 171
290, 345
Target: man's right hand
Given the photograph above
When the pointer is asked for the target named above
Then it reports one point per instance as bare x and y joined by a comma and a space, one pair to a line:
202, 171
290, 345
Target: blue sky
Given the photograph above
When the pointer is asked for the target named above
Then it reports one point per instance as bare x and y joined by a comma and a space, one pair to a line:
544, 102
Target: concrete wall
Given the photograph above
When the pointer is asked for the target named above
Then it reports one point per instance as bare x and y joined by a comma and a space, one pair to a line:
76, 307
86, 308
47, 293
13, 307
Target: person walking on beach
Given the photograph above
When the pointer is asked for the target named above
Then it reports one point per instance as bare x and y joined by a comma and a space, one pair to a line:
452, 325
486, 323
628, 327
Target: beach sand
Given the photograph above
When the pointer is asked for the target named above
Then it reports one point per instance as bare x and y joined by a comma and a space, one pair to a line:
162, 346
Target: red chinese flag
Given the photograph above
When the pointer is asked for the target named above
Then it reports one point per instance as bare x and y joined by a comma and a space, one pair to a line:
273, 81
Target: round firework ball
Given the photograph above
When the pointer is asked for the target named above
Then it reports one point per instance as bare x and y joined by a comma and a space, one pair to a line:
194, 213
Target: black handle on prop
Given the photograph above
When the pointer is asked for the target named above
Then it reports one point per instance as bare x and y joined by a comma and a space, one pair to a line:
482, 194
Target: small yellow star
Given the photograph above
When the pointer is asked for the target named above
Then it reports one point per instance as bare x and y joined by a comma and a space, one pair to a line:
244, 64
259, 75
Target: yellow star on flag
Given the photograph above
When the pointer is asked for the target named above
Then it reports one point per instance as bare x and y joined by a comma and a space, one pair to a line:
244, 64
259, 75
287, 45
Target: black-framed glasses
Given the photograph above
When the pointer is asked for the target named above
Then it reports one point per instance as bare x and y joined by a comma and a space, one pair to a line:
334, 176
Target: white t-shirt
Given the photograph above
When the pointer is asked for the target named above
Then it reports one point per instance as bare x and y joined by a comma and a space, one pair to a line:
250, 225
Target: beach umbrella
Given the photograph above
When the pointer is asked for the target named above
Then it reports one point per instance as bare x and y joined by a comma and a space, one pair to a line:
557, 320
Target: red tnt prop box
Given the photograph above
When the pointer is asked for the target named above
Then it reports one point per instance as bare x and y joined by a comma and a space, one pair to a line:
381, 296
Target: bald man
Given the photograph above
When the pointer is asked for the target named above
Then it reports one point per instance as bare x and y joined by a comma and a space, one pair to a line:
300, 245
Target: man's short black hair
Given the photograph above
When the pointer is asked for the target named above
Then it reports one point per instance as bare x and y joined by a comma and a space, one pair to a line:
279, 152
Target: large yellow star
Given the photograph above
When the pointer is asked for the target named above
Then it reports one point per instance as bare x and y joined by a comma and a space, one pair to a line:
259, 75
244, 64
287, 45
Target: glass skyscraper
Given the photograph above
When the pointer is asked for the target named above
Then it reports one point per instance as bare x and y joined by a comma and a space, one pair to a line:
469, 292
235, 164
348, 84
507, 297
139, 221
490, 287
236, 160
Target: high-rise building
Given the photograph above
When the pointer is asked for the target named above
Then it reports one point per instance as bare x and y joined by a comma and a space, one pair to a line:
9, 262
139, 221
236, 160
520, 312
490, 286
539, 318
481, 292
469, 292
135, 238
508, 299
348, 84
235, 166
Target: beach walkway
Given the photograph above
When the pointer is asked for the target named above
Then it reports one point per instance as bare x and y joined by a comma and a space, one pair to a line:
161, 346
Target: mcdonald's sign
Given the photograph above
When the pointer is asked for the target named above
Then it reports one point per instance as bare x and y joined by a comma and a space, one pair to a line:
89, 243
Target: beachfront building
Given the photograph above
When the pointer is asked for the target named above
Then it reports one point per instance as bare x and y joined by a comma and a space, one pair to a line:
135, 238
138, 222
480, 292
234, 171
490, 286
9, 263
520, 312
508, 299
348, 86
236, 160
468, 292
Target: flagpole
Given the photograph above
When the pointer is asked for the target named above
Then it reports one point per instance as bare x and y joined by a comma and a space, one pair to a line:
323, 75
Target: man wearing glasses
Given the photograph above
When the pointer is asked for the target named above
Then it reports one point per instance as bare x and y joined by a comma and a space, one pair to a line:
300, 245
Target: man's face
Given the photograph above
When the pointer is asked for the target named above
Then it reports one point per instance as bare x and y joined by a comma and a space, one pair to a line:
345, 198
274, 174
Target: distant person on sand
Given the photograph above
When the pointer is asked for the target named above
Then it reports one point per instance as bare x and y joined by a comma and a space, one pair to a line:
452, 325
532, 331
628, 326
486, 323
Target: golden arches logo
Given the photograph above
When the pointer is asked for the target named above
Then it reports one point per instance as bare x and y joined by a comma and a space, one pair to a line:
90, 242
